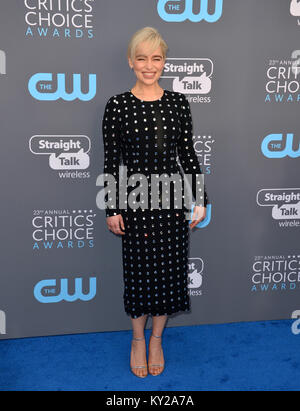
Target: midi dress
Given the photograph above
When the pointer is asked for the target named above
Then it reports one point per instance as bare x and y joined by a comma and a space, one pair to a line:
149, 137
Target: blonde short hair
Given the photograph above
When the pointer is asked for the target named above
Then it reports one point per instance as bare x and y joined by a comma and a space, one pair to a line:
149, 34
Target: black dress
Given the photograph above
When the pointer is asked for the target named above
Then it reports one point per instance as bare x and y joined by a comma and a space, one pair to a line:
147, 136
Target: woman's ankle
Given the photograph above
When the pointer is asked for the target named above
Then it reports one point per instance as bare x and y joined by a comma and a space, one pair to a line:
138, 337
156, 335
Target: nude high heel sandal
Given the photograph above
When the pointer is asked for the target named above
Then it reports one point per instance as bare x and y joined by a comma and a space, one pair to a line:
138, 366
157, 365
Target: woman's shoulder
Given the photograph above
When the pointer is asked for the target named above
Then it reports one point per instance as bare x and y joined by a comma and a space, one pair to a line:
118, 98
175, 95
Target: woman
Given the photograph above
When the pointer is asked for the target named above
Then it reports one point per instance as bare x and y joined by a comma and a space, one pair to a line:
145, 126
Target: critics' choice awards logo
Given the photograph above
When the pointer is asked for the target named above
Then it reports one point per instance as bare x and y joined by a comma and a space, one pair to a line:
49, 87
56, 291
281, 145
195, 276
203, 146
64, 153
2, 62
55, 229
283, 80
193, 10
59, 18
190, 76
284, 203
275, 273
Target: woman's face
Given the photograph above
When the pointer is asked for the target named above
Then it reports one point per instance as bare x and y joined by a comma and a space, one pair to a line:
147, 66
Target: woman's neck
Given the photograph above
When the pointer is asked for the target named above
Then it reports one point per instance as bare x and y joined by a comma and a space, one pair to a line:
142, 90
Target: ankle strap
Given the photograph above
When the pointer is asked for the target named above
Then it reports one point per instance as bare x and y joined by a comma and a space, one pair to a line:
138, 339
156, 336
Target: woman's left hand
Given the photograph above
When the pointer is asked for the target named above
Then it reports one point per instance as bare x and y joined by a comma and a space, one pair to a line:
199, 214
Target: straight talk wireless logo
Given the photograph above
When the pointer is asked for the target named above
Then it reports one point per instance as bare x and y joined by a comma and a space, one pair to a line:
68, 155
190, 76
284, 204
195, 276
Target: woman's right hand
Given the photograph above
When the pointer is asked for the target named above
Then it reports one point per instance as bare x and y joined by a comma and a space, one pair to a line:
115, 223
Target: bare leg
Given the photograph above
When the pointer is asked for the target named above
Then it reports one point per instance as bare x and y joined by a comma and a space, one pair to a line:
155, 346
158, 324
138, 348
138, 326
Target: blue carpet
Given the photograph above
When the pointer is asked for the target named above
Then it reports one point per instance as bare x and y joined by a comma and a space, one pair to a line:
238, 356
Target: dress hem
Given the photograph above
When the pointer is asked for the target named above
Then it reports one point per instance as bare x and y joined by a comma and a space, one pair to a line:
157, 313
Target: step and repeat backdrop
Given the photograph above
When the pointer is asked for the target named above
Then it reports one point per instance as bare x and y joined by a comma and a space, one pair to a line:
238, 63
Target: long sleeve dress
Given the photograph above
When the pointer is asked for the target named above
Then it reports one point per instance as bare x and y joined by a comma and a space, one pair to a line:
147, 137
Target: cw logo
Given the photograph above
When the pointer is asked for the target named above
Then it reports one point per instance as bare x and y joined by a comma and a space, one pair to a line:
181, 10
2, 62
46, 92
44, 294
2, 323
207, 219
273, 146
